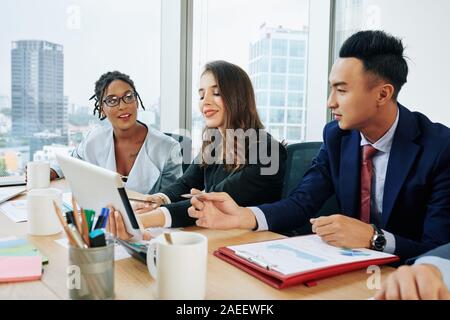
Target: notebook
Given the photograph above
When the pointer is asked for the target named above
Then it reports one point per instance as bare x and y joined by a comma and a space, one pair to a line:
287, 262
7, 193
13, 246
12, 181
20, 268
16, 210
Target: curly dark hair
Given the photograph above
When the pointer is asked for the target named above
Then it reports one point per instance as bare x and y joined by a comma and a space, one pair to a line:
102, 84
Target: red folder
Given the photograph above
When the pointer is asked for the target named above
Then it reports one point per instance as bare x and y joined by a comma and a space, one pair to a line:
281, 281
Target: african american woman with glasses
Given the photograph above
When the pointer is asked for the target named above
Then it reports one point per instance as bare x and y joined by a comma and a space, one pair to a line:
147, 159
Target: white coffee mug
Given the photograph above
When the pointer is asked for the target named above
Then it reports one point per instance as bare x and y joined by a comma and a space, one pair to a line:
38, 175
179, 268
42, 219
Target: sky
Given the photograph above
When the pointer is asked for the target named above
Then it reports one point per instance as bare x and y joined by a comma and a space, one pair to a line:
98, 36
104, 35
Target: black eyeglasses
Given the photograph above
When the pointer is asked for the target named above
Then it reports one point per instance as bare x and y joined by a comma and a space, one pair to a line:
114, 101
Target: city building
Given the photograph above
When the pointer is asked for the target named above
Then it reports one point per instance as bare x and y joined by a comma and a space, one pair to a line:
278, 68
5, 102
37, 81
39, 140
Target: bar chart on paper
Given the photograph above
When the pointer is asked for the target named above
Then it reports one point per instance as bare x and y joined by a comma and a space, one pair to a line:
300, 254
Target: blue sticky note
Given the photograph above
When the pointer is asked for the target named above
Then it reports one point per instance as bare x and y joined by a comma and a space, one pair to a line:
12, 243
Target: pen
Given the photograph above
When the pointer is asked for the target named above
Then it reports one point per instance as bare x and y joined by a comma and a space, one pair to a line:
90, 214
101, 221
255, 260
85, 228
105, 219
189, 195
140, 200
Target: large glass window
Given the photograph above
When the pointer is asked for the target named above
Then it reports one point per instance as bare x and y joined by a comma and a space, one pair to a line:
277, 99
276, 115
296, 83
265, 40
261, 98
49, 67
279, 47
294, 116
296, 66
297, 48
294, 133
278, 82
295, 99
278, 65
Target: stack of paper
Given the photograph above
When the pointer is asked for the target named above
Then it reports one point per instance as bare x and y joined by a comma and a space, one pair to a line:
15, 210
19, 261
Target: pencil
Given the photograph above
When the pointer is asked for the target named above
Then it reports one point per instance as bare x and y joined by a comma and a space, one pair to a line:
63, 223
76, 216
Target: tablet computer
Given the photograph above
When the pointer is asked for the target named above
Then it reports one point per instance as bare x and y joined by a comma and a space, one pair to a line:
95, 188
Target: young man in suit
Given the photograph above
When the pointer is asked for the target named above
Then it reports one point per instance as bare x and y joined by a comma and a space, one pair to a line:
427, 279
389, 167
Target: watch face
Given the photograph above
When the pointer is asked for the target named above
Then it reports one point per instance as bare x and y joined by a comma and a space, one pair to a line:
380, 242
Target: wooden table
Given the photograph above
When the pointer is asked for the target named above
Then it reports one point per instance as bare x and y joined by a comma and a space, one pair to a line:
132, 279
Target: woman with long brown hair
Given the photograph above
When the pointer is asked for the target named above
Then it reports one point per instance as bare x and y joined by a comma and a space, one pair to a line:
238, 156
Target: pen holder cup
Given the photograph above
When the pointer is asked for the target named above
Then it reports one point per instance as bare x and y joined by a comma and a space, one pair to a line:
91, 273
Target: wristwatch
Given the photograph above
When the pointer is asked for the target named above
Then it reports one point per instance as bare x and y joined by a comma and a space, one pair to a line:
378, 241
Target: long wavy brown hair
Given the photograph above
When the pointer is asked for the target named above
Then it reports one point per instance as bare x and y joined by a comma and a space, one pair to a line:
237, 93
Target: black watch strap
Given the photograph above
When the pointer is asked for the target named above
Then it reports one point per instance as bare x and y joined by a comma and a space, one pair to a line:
378, 241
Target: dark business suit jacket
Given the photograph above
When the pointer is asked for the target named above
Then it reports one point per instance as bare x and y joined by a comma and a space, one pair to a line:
416, 203
247, 186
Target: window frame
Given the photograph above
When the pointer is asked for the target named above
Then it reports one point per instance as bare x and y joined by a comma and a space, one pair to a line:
176, 69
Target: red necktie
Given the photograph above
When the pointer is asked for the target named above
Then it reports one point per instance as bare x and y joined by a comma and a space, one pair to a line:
366, 181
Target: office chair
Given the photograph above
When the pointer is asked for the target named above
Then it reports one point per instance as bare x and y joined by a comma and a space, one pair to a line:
186, 148
300, 157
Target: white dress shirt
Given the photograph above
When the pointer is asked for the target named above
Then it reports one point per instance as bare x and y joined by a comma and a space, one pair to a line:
379, 162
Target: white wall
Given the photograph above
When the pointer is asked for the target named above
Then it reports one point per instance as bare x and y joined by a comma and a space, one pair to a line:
425, 28
318, 55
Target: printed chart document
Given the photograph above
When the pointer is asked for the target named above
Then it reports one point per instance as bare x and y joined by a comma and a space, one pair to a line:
286, 262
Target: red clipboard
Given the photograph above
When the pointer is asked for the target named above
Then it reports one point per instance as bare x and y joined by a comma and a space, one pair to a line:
281, 281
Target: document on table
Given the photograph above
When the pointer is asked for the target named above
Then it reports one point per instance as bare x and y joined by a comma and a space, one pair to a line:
302, 254
7, 193
15, 210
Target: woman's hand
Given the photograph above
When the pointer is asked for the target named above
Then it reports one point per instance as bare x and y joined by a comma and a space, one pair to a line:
116, 226
149, 203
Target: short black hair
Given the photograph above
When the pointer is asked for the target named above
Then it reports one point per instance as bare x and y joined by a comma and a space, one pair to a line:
381, 54
102, 84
